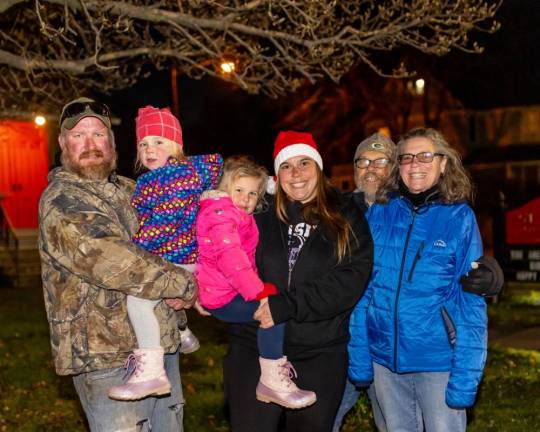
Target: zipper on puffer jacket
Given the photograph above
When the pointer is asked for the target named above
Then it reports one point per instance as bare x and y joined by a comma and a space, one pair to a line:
399, 289
449, 326
416, 259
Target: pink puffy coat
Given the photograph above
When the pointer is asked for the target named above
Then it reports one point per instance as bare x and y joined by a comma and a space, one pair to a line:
227, 239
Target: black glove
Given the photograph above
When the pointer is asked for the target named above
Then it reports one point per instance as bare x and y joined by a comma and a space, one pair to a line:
486, 280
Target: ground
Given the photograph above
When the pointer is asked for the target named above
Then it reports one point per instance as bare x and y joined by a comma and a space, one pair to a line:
34, 398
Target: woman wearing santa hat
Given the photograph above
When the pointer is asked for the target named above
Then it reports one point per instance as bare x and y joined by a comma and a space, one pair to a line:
319, 255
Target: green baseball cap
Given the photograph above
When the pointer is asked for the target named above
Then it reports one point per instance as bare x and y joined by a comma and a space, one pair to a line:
377, 142
82, 107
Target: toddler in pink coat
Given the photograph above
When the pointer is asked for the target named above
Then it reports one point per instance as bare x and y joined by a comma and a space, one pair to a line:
229, 286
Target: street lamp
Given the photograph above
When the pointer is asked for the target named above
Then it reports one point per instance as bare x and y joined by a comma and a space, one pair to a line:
227, 67
419, 85
416, 88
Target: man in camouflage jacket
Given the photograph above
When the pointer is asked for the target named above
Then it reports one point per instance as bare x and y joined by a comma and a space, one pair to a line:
89, 265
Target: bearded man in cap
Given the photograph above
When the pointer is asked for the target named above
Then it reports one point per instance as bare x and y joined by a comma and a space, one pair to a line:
90, 265
373, 160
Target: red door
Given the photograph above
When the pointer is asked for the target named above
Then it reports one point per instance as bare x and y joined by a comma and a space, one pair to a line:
23, 170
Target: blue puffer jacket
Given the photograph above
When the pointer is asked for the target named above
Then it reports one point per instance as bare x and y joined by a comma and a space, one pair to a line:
414, 313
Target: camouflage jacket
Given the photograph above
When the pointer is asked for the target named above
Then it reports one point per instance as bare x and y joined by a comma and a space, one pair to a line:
89, 265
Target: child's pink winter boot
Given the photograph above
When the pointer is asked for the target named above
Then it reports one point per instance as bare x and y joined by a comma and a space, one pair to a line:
276, 385
148, 377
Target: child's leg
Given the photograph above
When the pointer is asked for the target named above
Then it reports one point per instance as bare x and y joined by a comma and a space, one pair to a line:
148, 377
270, 341
275, 384
188, 341
144, 321
236, 311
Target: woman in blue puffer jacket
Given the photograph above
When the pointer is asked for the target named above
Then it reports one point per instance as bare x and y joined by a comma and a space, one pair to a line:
416, 333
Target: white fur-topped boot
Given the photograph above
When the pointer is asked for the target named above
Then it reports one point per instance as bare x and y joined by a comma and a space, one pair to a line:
148, 377
276, 385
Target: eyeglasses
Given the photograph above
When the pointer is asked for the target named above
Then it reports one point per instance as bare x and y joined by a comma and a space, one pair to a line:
423, 157
78, 108
362, 163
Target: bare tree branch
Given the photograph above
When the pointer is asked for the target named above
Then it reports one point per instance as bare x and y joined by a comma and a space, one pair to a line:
52, 49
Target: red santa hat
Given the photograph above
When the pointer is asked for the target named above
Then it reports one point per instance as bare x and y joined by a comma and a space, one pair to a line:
290, 144
152, 121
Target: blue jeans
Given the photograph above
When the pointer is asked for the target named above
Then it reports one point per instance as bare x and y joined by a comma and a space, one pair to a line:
412, 401
269, 341
163, 414
350, 397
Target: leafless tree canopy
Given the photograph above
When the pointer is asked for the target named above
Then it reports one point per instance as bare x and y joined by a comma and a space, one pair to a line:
51, 50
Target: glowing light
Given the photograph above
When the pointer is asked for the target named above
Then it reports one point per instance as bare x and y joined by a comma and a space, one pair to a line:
227, 67
385, 130
419, 85
40, 120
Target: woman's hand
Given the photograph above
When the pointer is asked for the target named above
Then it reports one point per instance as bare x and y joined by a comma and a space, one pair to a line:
263, 315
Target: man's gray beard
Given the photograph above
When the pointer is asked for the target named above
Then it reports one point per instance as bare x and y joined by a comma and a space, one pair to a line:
99, 171
370, 193
370, 197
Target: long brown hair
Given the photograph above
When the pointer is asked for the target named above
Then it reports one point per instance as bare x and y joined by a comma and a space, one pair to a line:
454, 184
323, 210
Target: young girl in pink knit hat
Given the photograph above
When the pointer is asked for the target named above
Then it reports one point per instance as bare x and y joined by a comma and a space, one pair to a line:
229, 285
167, 200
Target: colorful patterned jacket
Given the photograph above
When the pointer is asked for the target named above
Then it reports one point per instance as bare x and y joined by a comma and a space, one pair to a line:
167, 202
89, 264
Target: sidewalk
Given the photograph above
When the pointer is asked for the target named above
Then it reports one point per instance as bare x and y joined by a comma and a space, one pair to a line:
528, 339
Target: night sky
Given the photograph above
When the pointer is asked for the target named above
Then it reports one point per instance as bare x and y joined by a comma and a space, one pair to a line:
508, 72
216, 116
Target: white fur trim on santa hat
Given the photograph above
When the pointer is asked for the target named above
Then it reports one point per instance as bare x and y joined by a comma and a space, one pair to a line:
297, 150
271, 185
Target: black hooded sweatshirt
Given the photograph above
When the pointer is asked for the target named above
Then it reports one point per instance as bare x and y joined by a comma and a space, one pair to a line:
318, 294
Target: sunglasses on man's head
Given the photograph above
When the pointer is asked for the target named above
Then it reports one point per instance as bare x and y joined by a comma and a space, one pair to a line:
77, 108
424, 157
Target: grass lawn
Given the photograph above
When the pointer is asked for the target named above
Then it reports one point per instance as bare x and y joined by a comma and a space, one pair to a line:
33, 398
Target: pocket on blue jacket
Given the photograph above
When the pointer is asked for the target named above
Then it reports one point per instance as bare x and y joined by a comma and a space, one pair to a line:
417, 257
